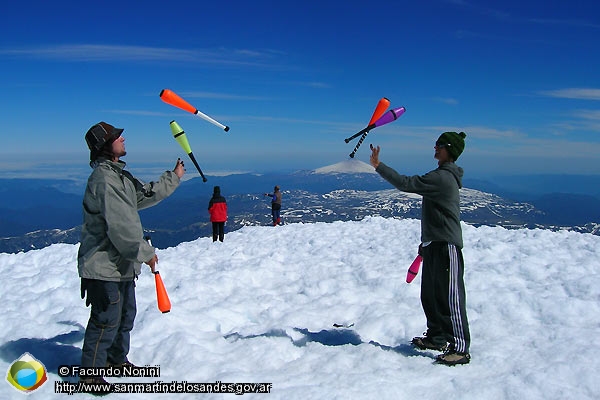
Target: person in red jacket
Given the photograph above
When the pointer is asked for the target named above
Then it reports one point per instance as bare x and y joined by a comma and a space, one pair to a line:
217, 207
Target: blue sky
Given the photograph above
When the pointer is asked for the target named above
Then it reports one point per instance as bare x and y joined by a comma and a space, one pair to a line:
292, 80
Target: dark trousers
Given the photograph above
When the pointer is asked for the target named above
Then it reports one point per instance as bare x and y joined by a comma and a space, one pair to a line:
218, 230
106, 337
443, 295
276, 213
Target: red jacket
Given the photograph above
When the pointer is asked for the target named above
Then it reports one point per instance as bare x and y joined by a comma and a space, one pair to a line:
217, 207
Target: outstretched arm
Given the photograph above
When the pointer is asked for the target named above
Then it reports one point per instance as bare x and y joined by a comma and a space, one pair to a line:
153, 193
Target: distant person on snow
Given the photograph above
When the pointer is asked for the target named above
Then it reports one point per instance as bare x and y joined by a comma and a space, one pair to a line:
217, 208
113, 247
443, 295
275, 205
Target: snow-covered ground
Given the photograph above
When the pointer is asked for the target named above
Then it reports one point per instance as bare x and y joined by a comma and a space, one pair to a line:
260, 308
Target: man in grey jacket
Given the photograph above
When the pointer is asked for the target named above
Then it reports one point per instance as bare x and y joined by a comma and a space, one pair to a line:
112, 245
442, 286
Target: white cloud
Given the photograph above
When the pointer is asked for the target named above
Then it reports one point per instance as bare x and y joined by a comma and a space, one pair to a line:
118, 53
593, 115
222, 96
573, 93
446, 100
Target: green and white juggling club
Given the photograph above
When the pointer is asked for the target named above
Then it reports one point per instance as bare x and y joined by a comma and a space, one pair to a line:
179, 135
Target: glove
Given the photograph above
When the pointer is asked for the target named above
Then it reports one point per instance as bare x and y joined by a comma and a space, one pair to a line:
96, 294
420, 252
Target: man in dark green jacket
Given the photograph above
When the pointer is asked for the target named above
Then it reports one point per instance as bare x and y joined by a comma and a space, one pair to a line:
442, 286
112, 245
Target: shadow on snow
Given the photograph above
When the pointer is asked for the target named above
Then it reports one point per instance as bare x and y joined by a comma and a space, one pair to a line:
51, 352
331, 337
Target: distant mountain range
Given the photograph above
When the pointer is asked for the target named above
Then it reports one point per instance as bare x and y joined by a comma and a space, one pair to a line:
37, 213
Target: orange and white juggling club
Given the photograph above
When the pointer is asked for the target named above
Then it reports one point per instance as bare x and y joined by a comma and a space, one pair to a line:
170, 97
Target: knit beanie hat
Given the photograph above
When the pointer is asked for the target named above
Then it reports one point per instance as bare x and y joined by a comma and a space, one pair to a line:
217, 190
455, 143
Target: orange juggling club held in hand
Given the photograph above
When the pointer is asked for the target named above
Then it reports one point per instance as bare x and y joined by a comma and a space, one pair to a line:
162, 298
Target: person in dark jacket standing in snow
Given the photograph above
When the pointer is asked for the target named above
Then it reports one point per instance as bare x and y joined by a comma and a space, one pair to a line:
217, 207
443, 294
275, 205
112, 246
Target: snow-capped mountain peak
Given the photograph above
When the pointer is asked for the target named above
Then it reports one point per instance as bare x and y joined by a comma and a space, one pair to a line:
347, 167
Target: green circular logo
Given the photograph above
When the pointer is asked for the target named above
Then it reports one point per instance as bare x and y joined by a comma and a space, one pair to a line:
26, 374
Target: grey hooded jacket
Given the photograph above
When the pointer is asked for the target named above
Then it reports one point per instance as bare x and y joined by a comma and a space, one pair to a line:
112, 244
440, 214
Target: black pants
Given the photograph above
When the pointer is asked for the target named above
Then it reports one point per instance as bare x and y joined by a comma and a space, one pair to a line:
218, 229
443, 295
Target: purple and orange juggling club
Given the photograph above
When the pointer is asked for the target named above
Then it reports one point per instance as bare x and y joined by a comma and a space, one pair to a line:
382, 105
386, 118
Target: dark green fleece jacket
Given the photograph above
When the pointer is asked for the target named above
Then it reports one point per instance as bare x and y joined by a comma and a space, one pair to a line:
440, 214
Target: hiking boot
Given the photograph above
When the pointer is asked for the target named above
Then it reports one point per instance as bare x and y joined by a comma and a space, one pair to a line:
125, 363
121, 366
452, 357
96, 386
425, 343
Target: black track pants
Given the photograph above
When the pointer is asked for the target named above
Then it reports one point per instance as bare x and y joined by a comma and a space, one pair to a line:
443, 294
